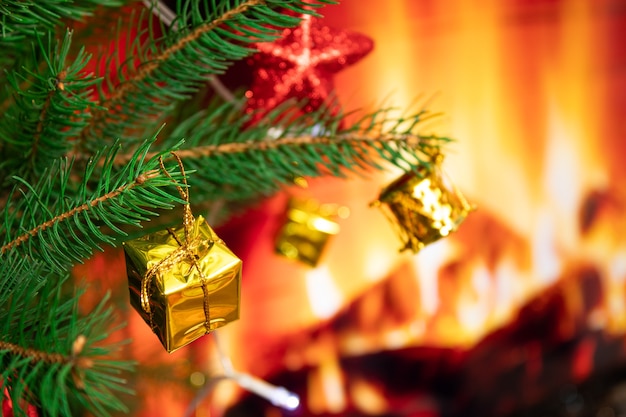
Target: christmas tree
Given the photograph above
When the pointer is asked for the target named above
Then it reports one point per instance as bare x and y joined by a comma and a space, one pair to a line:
115, 123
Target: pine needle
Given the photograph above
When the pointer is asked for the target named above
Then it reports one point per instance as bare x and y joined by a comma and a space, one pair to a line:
62, 226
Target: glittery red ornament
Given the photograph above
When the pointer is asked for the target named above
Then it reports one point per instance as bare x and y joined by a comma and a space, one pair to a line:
301, 65
7, 407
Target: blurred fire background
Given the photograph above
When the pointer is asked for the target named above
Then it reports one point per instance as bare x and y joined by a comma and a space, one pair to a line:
520, 312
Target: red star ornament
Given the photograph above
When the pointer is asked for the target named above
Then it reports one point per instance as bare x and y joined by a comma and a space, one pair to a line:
301, 65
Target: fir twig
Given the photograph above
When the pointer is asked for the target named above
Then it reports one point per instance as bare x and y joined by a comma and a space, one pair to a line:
78, 364
50, 358
237, 161
23, 19
147, 69
351, 140
71, 217
48, 353
162, 72
139, 181
167, 16
48, 109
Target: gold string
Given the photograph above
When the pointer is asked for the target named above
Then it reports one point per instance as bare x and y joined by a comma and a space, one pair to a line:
184, 194
181, 254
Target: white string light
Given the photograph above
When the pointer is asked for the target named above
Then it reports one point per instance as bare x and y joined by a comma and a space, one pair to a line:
160, 10
277, 395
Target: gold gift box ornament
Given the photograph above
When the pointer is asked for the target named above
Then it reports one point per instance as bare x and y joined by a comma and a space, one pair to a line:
423, 206
183, 286
307, 229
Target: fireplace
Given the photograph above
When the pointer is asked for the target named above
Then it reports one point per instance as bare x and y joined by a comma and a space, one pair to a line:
520, 312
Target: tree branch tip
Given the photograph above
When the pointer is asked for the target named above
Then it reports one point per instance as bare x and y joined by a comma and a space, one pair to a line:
84, 363
78, 344
142, 178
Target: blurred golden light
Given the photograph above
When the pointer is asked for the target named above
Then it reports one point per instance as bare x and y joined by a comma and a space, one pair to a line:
367, 397
197, 379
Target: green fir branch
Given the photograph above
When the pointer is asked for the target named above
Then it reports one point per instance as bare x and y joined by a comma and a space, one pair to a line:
234, 160
23, 19
61, 224
16, 57
50, 356
164, 71
49, 109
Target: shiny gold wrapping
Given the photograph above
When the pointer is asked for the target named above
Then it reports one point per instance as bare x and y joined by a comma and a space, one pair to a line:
306, 230
423, 207
188, 295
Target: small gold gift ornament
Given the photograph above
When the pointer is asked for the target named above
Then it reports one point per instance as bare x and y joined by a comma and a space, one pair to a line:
307, 228
423, 206
184, 283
